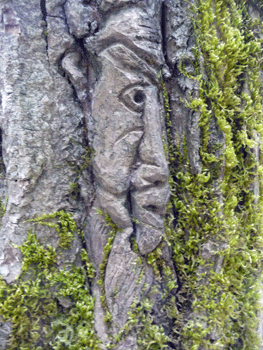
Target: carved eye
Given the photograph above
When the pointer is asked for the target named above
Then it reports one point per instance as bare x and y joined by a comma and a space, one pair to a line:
134, 98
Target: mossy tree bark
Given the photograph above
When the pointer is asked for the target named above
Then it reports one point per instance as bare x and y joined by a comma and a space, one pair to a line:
130, 174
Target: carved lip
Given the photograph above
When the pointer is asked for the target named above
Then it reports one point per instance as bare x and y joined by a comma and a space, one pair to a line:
149, 206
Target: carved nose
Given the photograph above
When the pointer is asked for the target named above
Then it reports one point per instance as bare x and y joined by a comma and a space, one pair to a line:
153, 170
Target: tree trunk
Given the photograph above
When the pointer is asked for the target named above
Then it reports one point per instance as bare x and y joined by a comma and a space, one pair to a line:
130, 174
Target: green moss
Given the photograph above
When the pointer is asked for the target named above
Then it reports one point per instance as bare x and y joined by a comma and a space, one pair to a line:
214, 303
82, 162
50, 308
64, 225
216, 306
2, 211
74, 190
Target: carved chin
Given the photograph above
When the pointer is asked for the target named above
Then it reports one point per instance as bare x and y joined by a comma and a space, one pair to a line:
148, 237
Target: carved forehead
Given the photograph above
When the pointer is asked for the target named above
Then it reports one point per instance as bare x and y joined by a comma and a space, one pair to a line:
153, 5
138, 32
105, 5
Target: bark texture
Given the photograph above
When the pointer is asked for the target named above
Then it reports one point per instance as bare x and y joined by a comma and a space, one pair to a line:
88, 127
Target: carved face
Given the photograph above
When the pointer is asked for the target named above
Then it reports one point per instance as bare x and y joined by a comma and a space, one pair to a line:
129, 164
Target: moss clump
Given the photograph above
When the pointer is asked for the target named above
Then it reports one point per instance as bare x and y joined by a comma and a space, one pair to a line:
2, 211
50, 308
216, 306
140, 322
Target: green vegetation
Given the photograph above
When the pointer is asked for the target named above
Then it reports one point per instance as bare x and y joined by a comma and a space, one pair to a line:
50, 308
2, 211
80, 164
215, 227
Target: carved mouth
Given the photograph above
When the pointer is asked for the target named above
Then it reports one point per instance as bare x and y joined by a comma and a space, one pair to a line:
148, 208
150, 202
152, 208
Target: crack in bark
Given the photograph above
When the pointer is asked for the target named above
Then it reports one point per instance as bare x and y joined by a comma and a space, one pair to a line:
43, 9
81, 49
75, 94
78, 46
65, 16
163, 31
44, 19
2, 164
52, 16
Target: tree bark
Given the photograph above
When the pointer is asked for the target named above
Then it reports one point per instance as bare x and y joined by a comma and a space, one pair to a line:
120, 113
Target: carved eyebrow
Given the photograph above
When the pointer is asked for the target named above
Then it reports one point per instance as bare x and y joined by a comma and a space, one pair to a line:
125, 59
138, 83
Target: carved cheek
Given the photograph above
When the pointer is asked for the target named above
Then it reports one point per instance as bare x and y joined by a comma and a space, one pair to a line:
130, 141
113, 163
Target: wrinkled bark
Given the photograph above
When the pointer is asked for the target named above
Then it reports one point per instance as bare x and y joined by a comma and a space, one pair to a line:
83, 128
